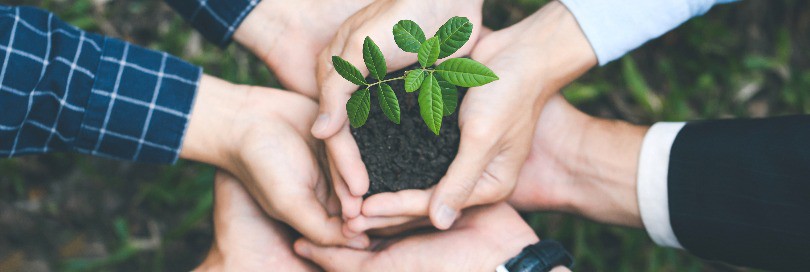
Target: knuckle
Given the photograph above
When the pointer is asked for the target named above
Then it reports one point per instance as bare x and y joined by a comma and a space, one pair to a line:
460, 191
478, 134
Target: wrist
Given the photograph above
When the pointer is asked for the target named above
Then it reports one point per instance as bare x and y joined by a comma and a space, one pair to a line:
208, 137
561, 50
608, 163
264, 27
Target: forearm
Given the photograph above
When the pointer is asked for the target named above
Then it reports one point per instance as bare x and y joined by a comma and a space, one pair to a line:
209, 138
560, 51
608, 159
64, 89
737, 186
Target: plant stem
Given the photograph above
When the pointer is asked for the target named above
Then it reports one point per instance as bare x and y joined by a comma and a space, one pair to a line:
397, 78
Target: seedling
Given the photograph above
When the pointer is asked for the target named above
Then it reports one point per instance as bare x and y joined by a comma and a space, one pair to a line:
438, 94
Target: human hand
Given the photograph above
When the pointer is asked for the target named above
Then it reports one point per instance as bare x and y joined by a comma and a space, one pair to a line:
348, 172
582, 165
289, 35
482, 239
261, 136
245, 239
497, 121
576, 164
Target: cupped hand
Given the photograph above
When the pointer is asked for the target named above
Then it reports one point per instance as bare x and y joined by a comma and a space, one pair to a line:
289, 35
261, 136
482, 239
543, 180
534, 59
375, 21
245, 239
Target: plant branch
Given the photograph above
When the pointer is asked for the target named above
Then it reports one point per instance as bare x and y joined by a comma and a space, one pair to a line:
368, 86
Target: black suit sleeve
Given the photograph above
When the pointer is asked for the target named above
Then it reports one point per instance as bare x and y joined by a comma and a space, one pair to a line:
739, 191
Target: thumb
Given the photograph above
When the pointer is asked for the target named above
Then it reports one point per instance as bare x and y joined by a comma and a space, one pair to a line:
458, 184
331, 258
335, 91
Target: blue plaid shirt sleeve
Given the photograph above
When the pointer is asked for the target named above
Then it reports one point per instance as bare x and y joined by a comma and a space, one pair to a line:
217, 20
63, 89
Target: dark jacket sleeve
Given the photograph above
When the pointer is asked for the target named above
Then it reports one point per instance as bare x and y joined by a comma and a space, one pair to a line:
739, 191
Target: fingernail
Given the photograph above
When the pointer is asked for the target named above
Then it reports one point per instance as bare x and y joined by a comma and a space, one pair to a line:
320, 123
445, 217
357, 243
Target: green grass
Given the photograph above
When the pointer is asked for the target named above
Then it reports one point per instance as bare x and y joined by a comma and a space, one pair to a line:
748, 59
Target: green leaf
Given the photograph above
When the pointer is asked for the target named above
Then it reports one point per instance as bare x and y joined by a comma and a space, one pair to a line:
348, 71
389, 102
465, 72
375, 61
408, 36
449, 95
431, 105
429, 52
414, 80
358, 107
453, 35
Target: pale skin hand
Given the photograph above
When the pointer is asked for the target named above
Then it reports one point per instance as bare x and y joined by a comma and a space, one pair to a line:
498, 120
289, 35
348, 172
482, 239
261, 136
577, 164
245, 239
582, 165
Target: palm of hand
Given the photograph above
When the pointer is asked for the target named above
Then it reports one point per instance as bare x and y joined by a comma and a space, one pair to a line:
277, 163
482, 239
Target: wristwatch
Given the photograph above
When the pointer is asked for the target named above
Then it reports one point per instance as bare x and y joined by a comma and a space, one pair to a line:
539, 257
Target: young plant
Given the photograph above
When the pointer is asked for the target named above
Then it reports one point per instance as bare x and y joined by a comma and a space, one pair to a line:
438, 95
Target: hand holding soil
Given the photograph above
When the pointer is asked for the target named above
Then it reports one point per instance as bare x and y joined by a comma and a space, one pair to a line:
260, 135
348, 172
497, 120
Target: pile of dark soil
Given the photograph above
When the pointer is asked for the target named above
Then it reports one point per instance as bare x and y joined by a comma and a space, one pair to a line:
408, 155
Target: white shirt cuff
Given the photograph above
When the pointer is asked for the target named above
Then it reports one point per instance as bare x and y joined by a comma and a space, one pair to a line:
653, 168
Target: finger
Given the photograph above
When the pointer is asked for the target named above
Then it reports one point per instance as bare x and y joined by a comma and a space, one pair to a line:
484, 32
400, 229
346, 158
349, 204
332, 258
311, 219
458, 184
401, 203
335, 90
361, 224
333, 206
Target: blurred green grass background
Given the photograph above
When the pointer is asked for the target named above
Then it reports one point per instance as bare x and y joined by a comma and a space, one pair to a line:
77, 213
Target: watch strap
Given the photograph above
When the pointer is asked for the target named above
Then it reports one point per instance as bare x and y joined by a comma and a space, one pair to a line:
539, 257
